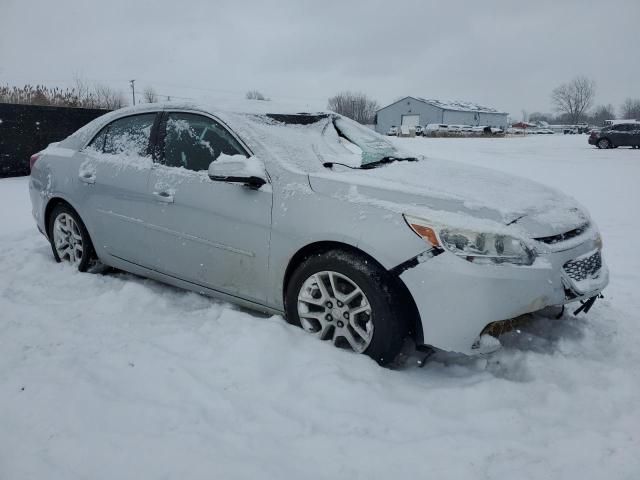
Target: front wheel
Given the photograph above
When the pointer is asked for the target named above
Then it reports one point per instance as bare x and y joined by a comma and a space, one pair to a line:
69, 238
345, 298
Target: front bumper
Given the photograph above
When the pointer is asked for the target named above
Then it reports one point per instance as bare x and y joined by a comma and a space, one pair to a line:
456, 299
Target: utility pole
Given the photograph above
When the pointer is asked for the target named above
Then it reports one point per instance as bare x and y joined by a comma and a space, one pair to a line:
133, 90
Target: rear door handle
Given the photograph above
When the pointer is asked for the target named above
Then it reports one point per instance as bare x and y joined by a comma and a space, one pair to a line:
164, 197
88, 177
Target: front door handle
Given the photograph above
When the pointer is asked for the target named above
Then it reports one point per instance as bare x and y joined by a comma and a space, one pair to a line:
88, 177
164, 196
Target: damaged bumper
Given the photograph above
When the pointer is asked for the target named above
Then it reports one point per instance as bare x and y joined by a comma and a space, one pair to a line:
457, 299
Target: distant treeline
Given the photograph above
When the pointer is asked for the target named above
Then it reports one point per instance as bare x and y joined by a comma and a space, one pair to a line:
82, 95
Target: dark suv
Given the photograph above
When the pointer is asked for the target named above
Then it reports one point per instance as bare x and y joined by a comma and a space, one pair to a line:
617, 135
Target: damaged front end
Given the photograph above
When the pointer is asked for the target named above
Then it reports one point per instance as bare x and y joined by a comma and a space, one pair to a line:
467, 293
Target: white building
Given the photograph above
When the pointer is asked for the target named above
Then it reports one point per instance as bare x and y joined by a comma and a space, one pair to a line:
413, 111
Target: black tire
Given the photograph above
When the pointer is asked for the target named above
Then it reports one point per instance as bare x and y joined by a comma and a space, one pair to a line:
604, 143
390, 327
88, 257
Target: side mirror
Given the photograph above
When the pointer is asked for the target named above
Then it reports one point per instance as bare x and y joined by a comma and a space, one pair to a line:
238, 169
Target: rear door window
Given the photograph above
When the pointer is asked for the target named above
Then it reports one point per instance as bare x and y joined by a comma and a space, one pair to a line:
194, 141
130, 135
127, 136
97, 143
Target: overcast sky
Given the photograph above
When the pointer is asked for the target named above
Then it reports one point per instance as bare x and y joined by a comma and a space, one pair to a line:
508, 55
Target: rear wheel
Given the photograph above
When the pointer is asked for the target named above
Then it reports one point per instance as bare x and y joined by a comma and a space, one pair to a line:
345, 298
604, 143
69, 238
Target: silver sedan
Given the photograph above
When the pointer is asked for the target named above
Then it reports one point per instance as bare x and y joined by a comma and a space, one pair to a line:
317, 218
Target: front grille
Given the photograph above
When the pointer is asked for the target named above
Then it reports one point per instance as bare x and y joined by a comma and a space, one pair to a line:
563, 236
583, 268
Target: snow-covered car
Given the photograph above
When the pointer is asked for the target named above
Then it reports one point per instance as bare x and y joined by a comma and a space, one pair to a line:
393, 131
317, 218
418, 129
433, 129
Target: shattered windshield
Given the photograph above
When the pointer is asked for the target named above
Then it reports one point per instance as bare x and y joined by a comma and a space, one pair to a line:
374, 146
309, 142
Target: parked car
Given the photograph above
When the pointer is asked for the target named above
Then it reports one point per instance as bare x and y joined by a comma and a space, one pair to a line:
617, 135
393, 131
582, 127
317, 218
434, 127
419, 130
544, 131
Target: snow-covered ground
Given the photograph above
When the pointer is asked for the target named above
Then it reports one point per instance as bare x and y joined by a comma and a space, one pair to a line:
115, 377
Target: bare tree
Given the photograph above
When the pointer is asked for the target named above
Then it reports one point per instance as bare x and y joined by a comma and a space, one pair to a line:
82, 92
574, 98
107, 97
255, 95
536, 117
150, 95
602, 113
630, 109
354, 105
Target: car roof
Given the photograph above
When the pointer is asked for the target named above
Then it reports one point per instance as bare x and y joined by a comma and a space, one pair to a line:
222, 108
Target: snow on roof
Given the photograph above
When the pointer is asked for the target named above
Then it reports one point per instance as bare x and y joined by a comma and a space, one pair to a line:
618, 121
256, 107
458, 105
454, 105
214, 106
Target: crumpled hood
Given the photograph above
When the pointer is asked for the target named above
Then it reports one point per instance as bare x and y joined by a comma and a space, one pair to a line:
437, 187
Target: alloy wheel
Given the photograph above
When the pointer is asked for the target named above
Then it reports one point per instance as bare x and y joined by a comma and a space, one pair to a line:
67, 239
333, 307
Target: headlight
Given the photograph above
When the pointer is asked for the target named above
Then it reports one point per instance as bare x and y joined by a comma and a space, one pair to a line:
476, 247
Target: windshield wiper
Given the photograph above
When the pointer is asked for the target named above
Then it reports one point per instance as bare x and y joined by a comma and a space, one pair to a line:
385, 160
370, 165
